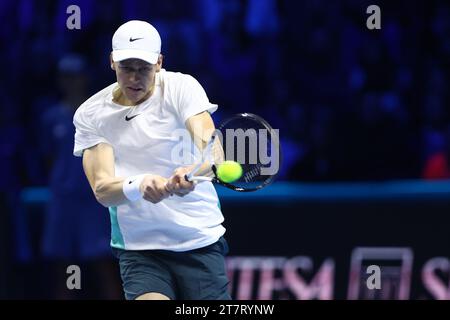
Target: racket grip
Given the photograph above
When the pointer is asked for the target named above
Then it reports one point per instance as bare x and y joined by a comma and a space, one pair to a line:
197, 178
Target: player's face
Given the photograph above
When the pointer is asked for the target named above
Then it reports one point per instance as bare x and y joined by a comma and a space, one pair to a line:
136, 78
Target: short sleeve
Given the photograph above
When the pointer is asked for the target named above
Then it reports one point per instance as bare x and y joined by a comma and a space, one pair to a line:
191, 98
86, 133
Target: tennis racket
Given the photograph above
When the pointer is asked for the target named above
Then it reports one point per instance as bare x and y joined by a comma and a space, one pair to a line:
249, 140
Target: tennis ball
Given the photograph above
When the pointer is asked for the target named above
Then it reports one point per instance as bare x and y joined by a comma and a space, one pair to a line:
229, 171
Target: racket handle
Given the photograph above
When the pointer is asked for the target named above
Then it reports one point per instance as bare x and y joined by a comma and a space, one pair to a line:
197, 178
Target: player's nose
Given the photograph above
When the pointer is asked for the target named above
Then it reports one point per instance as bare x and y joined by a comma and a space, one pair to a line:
132, 79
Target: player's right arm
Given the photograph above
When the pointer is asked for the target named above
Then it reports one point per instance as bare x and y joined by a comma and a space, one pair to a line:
98, 164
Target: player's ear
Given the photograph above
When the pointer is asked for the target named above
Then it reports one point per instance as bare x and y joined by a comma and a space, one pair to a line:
111, 62
159, 63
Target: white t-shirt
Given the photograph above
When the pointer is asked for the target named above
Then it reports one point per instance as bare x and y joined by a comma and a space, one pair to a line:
144, 144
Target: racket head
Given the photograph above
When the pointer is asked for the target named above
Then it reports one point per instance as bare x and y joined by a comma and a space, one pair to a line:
250, 140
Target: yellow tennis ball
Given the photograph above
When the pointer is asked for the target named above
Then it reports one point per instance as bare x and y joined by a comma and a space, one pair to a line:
229, 171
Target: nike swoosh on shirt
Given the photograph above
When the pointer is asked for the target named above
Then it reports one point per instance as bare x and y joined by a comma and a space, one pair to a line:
127, 118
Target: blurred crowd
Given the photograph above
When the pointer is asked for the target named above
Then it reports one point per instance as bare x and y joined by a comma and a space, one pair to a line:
351, 103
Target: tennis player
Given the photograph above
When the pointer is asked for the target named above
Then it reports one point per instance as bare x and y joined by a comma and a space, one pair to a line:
167, 232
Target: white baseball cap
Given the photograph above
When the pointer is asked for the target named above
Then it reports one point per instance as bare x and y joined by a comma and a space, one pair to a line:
136, 39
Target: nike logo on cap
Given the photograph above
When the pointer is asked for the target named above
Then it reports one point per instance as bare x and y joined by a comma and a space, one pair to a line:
127, 118
131, 39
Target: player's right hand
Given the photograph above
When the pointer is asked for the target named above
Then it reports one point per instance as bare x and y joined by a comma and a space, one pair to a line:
153, 188
177, 183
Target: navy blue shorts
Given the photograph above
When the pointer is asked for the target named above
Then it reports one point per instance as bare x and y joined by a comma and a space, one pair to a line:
191, 275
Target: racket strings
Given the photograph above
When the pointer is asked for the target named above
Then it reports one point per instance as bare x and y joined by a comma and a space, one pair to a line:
252, 173
252, 151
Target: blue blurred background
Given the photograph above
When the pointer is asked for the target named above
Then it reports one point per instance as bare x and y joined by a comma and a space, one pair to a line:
363, 118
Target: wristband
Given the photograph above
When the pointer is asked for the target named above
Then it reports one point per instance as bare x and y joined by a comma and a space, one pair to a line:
131, 187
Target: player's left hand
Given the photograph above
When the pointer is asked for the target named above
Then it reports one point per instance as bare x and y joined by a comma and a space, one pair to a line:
177, 184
